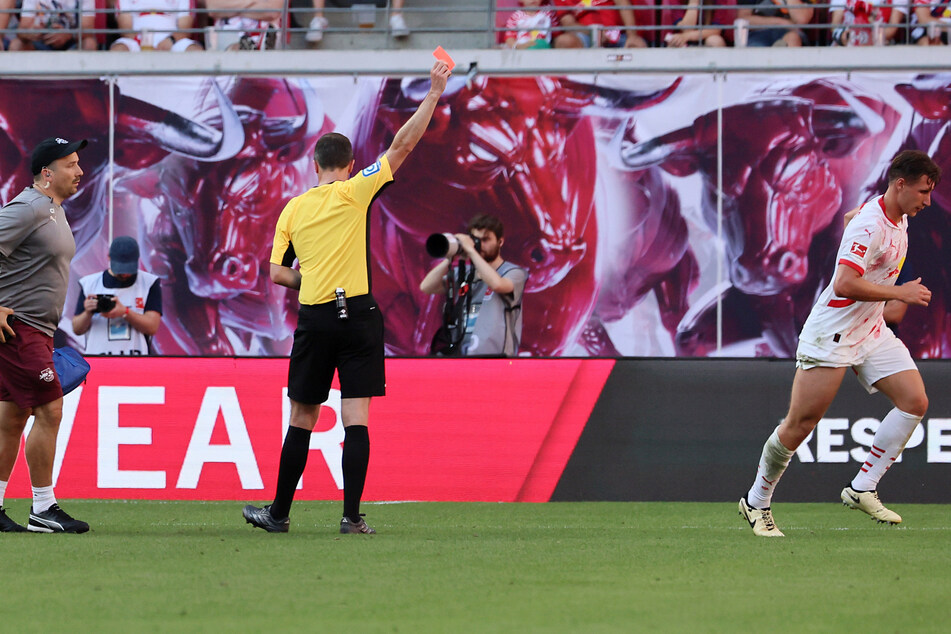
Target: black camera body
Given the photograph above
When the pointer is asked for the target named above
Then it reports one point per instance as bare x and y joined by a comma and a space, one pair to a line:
105, 303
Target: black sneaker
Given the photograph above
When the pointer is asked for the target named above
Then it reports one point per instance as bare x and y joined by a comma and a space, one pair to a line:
7, 525
55, 520
261, 517
348, 526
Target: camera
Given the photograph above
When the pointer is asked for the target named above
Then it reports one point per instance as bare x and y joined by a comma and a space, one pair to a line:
105, 303
445, 245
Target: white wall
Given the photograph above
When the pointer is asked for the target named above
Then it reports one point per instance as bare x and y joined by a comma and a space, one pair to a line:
489, 61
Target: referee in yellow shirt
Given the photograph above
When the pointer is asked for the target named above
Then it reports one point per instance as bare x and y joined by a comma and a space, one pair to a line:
325, 230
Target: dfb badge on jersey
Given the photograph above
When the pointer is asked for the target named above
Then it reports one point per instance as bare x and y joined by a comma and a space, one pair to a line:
372, 169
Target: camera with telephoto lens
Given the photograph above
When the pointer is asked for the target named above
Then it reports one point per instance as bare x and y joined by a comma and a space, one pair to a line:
105, 303
445, 245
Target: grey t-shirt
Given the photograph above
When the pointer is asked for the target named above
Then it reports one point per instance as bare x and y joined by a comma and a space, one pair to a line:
36, 247
494, 324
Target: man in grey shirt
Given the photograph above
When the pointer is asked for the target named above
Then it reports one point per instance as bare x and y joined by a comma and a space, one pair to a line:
493, 319
36, 246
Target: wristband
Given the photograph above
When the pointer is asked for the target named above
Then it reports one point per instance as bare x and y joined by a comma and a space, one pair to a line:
126, 313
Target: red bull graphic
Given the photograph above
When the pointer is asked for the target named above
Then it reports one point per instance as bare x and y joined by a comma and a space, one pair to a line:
656, 215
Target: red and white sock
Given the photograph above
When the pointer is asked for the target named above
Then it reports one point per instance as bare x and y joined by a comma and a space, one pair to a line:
894, 431
772, 464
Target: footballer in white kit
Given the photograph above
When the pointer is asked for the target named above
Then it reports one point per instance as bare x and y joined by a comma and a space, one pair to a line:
846, 328
845, 332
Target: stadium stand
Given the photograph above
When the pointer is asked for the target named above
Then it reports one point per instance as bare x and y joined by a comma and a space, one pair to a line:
460, 24
242, 24
357, 25
721, 12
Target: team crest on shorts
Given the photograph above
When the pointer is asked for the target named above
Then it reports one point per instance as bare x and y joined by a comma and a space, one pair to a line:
48, 375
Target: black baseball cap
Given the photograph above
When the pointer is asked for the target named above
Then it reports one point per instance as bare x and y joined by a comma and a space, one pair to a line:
124, 256
51, 149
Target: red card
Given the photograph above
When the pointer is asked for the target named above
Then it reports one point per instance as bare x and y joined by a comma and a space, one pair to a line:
441, 54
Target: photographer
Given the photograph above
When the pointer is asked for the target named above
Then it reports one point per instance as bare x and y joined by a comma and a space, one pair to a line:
121, 308
486, 297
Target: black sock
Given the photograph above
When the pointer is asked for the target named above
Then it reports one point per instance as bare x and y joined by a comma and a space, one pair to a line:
356, 457
293, 461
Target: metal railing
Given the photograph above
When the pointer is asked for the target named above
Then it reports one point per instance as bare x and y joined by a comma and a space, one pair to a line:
485, 19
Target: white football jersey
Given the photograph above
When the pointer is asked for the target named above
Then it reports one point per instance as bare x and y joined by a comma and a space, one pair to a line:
843, 331
53, 13
156, 15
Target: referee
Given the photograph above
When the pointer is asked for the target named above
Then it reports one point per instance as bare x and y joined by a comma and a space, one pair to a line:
339, 326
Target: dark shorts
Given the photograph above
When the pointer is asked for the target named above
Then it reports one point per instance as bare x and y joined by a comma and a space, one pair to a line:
40, 45
768, 37
353, 347
27, 376
921, 32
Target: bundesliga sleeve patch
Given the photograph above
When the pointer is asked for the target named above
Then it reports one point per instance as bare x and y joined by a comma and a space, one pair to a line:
858, 249
372, 169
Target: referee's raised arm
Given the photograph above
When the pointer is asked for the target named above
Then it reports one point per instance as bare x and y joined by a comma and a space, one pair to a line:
412, 131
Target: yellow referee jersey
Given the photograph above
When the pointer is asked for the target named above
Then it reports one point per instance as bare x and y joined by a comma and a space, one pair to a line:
326, 230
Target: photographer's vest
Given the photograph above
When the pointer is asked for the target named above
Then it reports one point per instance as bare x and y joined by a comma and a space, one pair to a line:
494, 322
116, 336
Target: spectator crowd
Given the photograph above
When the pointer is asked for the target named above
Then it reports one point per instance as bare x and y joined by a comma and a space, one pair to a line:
184, 25
720, 23
163, 25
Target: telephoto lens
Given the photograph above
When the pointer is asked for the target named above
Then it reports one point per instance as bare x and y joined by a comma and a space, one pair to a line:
442, 245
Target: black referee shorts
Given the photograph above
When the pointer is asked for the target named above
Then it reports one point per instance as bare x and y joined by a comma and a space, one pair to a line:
353, 347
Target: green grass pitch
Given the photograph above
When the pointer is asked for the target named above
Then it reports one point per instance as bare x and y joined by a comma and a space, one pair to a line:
467, 567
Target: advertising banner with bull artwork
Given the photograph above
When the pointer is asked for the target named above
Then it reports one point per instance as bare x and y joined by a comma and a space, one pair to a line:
608, 187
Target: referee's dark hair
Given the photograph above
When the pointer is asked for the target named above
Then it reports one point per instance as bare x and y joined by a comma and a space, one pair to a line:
912, 165
333, 151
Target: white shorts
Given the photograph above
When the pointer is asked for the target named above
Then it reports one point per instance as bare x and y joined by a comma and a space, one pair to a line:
133, 44
891, 357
